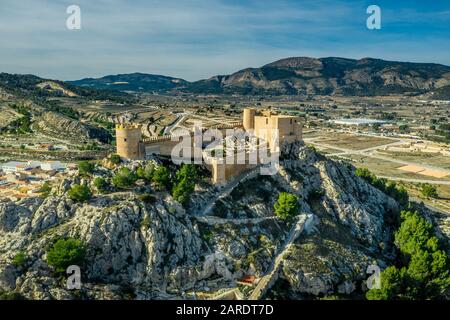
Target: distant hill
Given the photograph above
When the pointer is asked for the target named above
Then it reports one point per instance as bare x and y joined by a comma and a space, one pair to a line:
302, 75
37, 89
328, 76
132, 82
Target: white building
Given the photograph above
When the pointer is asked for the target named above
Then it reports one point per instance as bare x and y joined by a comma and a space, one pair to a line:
15, 166
52, 165
358, 122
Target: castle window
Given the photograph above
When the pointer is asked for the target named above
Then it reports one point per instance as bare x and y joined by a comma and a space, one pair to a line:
125, 139
290, 121
267, 121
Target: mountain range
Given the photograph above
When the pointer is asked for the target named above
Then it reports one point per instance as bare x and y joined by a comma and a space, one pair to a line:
298, 75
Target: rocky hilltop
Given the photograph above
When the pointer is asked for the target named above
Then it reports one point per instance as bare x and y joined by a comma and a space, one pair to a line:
159, 249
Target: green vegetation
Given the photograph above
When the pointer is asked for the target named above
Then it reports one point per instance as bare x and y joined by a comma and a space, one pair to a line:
286, 207
404, 128
115, 159
52, 105
185, 181
146, 172
428, 190
21, 125
66, 252
86, 168
80, 193
390, 188
124, 178
101, 185
161, 178
45, 189
19, 260
10, 295
147, 198
423, 271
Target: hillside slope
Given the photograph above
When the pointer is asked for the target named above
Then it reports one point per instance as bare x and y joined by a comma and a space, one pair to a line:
157, 250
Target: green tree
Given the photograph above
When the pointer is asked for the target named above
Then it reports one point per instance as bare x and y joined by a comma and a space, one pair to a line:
391, 282
182, 190
101, 185
66, 252
124, 178
185, 180
424, 267
287, 206
146, 172
80, 193
161, 178
86, 168
428, 190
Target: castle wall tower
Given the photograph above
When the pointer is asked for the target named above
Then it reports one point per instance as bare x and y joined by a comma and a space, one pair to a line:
249, 119
129, 141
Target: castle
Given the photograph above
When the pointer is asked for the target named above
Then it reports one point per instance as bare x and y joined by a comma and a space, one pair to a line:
268, 128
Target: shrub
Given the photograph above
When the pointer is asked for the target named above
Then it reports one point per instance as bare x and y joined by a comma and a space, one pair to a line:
429, 190
115, 159
124, 178
19, 260
45, 189
10, 295
146, 172
80, 193
85, 168
390, 188
101, 185
147, 198
66, 252
286, 207
161, 178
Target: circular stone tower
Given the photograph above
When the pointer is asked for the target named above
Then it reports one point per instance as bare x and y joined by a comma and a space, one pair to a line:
129, 141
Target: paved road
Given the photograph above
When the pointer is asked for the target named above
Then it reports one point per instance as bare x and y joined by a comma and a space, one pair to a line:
415, 180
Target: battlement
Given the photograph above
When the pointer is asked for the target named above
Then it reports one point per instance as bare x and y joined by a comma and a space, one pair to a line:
128, 126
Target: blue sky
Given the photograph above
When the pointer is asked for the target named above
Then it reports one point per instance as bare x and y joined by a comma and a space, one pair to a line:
195, 39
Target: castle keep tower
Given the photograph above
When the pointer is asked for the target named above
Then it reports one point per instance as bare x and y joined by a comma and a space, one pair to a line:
249, 119
129, 141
